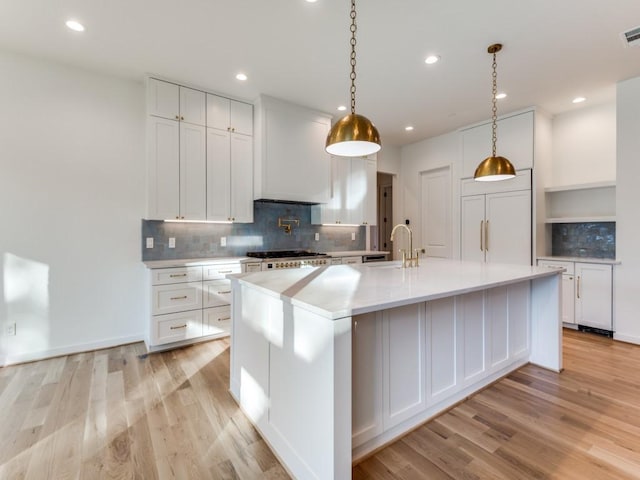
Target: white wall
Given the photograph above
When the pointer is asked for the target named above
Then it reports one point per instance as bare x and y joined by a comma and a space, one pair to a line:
72, 195
584, 146
436, 152
627, 300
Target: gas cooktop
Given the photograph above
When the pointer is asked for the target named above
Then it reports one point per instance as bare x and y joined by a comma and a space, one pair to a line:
284, 254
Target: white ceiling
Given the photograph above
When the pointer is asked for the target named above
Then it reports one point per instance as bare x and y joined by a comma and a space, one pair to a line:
553, 51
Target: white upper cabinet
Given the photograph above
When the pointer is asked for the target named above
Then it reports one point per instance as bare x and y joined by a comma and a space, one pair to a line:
226, 114
290, 159
195, 172
514, 141
353, 193
174, 102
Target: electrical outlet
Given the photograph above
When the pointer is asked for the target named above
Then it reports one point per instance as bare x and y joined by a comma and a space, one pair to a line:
149, 242
223, 241
353, 235
317, 237
172, 242
11, 329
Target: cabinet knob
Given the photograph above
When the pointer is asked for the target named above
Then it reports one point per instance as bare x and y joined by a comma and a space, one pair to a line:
181, 117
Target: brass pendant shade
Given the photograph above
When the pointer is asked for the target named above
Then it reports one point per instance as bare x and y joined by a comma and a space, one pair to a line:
353, 136
494, 168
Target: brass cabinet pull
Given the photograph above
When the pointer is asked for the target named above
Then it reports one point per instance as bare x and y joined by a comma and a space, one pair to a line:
481, 229
181, 117
179, 298
177, 117
486, 236
224, 319
224, 291
177, 327
578, 289
173, 275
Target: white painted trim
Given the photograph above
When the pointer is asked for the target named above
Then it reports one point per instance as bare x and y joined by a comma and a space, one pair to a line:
626, 338
71, 349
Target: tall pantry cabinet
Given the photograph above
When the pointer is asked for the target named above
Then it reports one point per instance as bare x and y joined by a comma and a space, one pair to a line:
498, 219
199, 155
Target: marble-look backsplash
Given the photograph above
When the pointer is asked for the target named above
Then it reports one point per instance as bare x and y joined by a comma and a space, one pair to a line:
592, 239
201, 240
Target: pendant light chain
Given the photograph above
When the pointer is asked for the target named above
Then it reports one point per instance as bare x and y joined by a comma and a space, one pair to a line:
494, 110
353, 56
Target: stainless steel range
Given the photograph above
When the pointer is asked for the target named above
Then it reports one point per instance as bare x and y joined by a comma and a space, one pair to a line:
279, 259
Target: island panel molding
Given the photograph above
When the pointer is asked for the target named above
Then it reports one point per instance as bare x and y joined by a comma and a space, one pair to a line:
303, 338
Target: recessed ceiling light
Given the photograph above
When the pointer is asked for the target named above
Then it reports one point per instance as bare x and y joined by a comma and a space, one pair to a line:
431, 59
241, 76
501, 95
312, 1
578, 100
75, 25
408, 128
342, 108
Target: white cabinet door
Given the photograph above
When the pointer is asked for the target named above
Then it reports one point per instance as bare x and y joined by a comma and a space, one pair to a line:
241, 178
163, 99
515, 142
193, 167
366, 355
496, 309
218, 175
508, 228
192, 106
593, 295
360, 201
472, 228
163, 162
229, 115
403, 350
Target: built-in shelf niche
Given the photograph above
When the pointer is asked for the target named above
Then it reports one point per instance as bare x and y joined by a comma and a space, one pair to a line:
587, 202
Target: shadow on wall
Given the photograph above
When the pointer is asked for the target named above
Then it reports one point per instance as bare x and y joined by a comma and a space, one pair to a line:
201, 240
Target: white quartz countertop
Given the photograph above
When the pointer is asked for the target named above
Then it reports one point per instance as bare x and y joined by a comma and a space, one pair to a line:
605, 261
355, 253
193, 262
343, 290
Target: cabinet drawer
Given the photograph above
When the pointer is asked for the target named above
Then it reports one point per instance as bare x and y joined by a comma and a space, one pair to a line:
165, 276
216, 293
569, 266
351, 260
219, 271
216, 320
176, 298
175, 327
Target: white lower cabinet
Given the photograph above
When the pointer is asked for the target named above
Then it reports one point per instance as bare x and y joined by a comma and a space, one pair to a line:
190, 302
407, 361
593, 284
587, 293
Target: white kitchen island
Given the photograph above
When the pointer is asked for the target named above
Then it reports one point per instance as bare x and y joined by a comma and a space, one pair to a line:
332, 362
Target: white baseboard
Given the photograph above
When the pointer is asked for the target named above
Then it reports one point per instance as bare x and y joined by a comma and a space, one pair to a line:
13, 358
626, 338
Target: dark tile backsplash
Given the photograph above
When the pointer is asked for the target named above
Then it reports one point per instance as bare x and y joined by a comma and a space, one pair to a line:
593, 239
201, 240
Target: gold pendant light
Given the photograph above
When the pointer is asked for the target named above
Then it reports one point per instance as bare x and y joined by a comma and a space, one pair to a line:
494, 168
353, 135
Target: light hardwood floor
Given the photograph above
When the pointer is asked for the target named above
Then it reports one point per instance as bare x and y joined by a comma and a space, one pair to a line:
119, 413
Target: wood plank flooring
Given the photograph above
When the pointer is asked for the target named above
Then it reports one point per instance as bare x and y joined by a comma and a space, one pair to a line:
122, 414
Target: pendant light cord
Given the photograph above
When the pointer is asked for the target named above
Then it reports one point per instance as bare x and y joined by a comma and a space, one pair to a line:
494, 110
353, 56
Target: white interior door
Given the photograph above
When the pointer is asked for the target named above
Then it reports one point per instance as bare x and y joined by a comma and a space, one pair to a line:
436, 212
